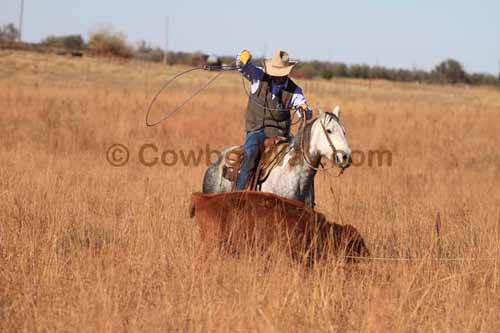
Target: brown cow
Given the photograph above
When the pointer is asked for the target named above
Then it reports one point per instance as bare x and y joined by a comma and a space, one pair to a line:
257, 220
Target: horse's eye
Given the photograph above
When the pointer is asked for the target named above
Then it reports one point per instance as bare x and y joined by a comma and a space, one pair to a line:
329, 131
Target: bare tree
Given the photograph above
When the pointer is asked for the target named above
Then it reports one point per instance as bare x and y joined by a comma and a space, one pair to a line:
9, 33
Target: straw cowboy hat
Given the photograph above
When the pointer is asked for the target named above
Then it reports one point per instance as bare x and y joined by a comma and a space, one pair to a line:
279, 65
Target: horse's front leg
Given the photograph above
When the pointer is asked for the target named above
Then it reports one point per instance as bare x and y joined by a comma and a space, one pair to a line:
309, 197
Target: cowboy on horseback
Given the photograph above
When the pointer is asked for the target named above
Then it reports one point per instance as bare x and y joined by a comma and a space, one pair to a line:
273, 95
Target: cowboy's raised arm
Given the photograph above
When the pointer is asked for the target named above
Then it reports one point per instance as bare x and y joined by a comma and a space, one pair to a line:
299, 102
251, 72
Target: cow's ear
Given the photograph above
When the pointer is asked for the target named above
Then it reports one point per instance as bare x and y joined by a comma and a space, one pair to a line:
337, 111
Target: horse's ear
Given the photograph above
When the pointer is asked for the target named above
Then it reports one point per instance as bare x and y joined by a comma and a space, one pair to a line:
321, 113
336, 111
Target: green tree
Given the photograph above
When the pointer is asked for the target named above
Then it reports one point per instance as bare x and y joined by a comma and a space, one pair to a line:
327, 74
71, 42
340, 69
449, 71
305, 70
360, 71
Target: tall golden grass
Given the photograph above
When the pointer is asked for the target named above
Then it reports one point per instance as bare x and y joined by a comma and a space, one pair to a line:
85, 246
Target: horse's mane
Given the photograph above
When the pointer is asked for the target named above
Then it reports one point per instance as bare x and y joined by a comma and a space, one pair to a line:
303, 137
304, 133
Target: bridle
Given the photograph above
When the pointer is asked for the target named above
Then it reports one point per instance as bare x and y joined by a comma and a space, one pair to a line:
305, 153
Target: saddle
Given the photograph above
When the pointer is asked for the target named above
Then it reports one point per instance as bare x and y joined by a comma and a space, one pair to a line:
271, 153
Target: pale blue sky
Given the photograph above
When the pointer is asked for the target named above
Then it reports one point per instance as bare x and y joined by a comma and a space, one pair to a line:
388, 32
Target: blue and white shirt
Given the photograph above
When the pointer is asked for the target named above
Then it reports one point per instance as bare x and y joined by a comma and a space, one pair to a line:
255, 74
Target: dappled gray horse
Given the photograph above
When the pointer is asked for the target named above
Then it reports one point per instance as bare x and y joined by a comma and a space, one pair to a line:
323, 137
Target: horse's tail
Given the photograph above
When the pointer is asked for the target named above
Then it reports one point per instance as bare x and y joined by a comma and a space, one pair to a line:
213, 180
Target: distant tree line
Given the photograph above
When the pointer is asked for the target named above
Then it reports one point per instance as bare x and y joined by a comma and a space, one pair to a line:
70, 42
449, 71
107, 41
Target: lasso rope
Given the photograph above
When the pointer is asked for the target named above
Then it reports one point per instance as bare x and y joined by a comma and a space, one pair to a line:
166, 84
219, 68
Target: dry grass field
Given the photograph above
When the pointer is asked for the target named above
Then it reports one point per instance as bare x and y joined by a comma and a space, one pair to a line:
85, 246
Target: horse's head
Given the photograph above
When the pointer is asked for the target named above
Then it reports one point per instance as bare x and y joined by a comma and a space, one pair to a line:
330, 138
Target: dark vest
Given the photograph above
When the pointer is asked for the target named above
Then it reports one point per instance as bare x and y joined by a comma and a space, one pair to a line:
274, 122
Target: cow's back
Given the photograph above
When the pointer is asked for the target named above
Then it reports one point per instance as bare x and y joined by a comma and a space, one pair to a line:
243, 220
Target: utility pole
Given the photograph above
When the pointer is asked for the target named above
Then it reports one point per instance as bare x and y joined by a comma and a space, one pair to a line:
165, 55
21, 21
